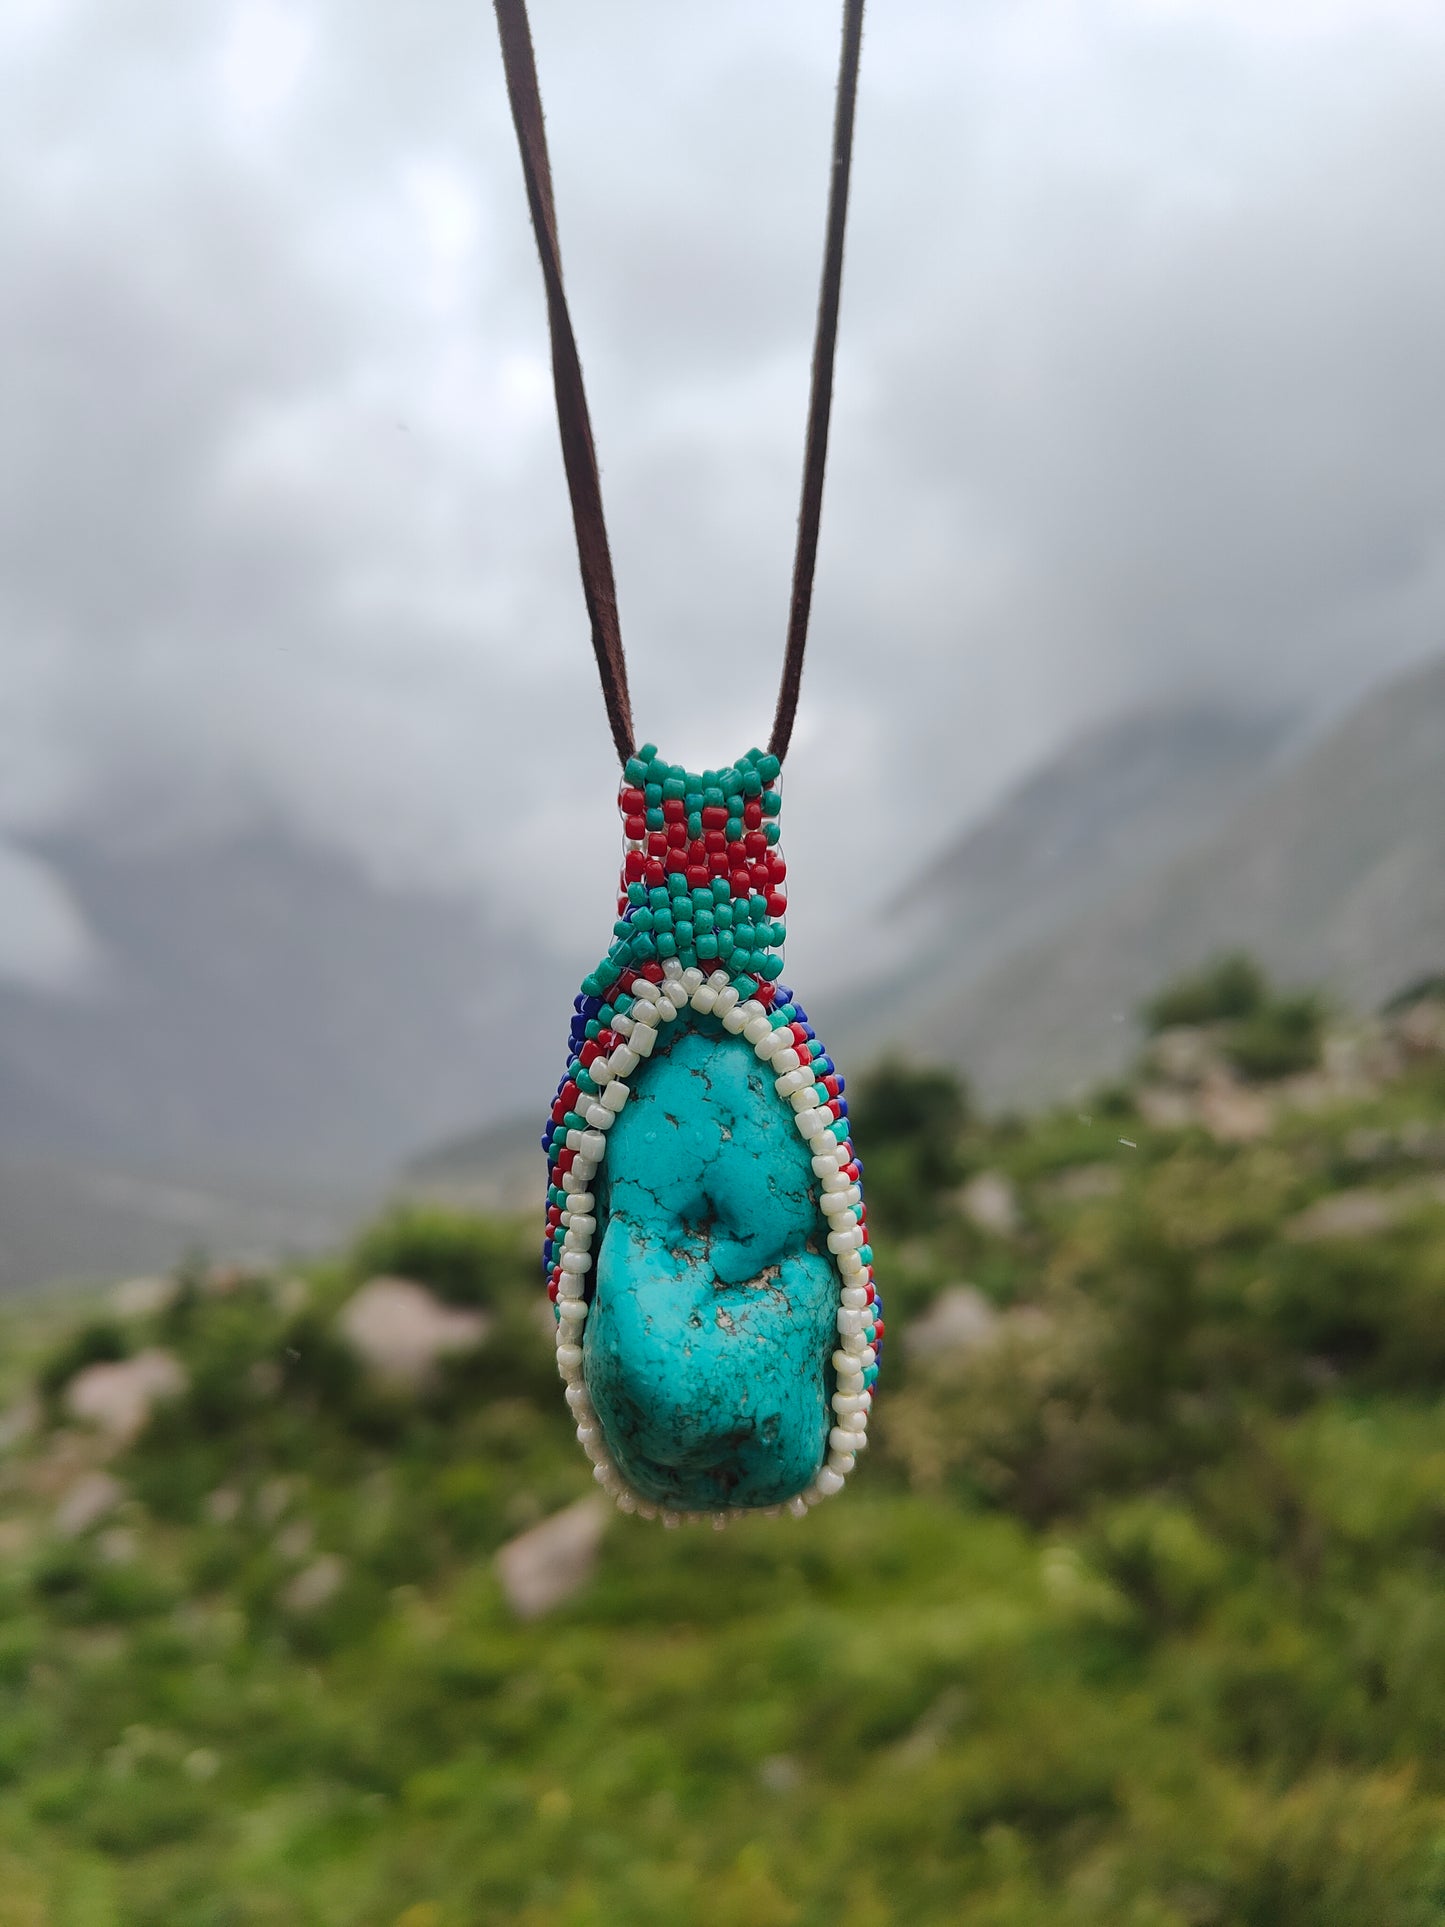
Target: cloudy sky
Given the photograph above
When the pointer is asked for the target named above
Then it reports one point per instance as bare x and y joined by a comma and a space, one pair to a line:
1140, 395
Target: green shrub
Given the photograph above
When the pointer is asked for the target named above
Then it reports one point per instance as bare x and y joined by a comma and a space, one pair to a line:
1231, 987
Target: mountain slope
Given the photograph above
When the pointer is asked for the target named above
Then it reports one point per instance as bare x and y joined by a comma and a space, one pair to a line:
265, 1009
1333, 874
1111, 808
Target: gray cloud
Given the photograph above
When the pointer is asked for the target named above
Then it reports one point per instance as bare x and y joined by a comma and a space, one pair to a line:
1138, 396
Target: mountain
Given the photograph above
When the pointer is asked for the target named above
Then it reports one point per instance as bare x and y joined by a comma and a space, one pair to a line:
265, 1011
1333, 873
1114, 806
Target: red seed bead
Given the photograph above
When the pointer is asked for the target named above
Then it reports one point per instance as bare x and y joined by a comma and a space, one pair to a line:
652, 972
756, 844
850, 1171
714, 816
676, 861
607, 1041
654, 875
559, 1111
777, 902
878, 1330
632, 866
872, 1294
830, 1085
632, 802
752, 813
674, 810
777, 867
589, 1053
635, 826
552, 1291
714, 840
800, 1036
697, 876
568, 1095
565, 1161
738, 883
717, 864
765, 994
677, 836
657, 843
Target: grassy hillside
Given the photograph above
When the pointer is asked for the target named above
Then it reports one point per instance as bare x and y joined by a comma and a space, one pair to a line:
1135, 1619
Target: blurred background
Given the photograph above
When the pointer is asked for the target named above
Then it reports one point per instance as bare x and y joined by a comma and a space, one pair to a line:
1115, 820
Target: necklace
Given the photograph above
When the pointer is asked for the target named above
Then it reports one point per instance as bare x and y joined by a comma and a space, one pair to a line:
706, 1247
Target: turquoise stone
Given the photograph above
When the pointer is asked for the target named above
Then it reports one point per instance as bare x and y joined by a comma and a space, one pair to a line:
707, 1348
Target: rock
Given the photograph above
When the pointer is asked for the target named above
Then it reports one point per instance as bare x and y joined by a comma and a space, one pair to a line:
1349, 1214
119, 1397
1184, 1055
315, 1585
401, 1330
714, 1315
544, 1566
1166, 1108
1234, 1114
223, 1506
990, 1202
959, 1319
93, 1497
143, 1297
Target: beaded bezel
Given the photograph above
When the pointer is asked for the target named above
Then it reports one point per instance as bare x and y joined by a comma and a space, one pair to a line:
647, 992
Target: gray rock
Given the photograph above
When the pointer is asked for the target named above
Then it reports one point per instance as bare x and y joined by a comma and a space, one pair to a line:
542, 1568
118, 1398
990, 1202
400, 1330
315, 1585
959, 1319
93, 1497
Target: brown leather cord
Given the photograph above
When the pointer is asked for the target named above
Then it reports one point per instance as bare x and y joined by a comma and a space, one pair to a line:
820, 401
579, 455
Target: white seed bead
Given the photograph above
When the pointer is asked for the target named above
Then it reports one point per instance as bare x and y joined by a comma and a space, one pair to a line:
667, 1009
569, 1358
644, 992
642, 1040
599, 1117
848, 1320
671, 967
694, 980
573, 1184
841, 1462
769, 1044
850, 1383
615, 1096
786, 1059
623, 1061
809, 1123
578, 1262
836, 1209
719, 981
828, 1482
577, 1241
727, 999
579, 1221
571, 1310
704, 999
579, 1203
585, 1168
756, 1029
579, 1399
622, 1024
854, 1296
734, 1020
798, 1507
826, 1166
569, 1286
852, 1343
848, 1402
851, 1265
805, 1100
600, 1070
842, 1441
835, 1180
867, 1357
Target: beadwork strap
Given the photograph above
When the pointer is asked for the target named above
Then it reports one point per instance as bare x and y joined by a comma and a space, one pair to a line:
579, 455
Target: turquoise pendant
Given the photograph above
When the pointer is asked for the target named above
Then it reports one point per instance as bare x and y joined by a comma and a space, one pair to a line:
707, 1255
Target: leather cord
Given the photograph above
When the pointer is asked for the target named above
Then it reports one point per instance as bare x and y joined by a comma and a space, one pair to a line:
579, 455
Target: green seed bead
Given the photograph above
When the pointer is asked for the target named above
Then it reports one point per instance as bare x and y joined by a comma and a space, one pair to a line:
654, 818
770, 968
648, 753
575, 1121
771, 832
694, 826
622, 928
659, 899
673, 789
641, 920
643, 947
721, 892
676, 884
652, 796
768, 768
661, 919
752, 783
713, 796
605, 1014
745, 985
772, 802
585, 1083
637, 893
724, 940
683, 930
635, 770
704, 918
707, 945
667, 944
733, 829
